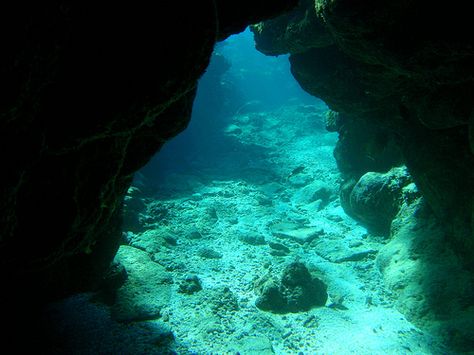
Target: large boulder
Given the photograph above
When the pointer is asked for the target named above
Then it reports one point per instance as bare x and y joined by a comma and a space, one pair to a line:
146, 290
296, 291
376, 198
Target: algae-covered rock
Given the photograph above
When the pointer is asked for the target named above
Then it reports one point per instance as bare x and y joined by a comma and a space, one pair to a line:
405, 92
296, 291
147, 288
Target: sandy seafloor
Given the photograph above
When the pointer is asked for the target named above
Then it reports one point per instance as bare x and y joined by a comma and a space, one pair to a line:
202, 222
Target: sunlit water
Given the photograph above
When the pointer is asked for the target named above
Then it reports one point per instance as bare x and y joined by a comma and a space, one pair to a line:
250, 187
256, 162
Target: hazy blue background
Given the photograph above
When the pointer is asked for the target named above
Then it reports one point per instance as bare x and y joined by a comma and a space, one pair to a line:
239, 79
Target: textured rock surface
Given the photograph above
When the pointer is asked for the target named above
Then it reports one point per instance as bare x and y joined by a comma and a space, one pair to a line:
147, 288
376, 198
190, 284
296, 291
92, 95
433, 289
402, 86
295, 32
222, 317
92, 91
406, 91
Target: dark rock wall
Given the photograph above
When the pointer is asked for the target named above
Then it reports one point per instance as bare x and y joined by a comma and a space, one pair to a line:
90, 91
402, 76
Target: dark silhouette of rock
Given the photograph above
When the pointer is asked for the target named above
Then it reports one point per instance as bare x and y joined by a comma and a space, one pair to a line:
91, 91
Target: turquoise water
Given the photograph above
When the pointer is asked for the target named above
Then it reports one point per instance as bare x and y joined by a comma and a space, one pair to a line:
248, 189
235, 226
239, 80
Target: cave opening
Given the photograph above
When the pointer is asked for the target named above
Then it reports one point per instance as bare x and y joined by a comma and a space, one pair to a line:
273, 223
231, 211
268, 227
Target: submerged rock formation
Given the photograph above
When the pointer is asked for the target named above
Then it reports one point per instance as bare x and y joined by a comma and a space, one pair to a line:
376, 198
401, 88
91, 98
296, 291
430, 284
398, 79
92, 91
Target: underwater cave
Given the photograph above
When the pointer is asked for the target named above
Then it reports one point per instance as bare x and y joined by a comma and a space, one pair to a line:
252, 177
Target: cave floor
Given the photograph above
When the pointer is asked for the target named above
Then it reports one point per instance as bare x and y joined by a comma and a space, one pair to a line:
272, 200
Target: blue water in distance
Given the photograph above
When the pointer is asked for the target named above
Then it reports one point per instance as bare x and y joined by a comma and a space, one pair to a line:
238, 79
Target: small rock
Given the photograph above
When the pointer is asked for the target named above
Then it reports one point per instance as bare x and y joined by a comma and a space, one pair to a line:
191, 284
293, 231
224, 301
278, 253
252, 239
170, 240
355, 244
296, 291
279, 247
357, 256
233, 129
208, 253
195, 234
